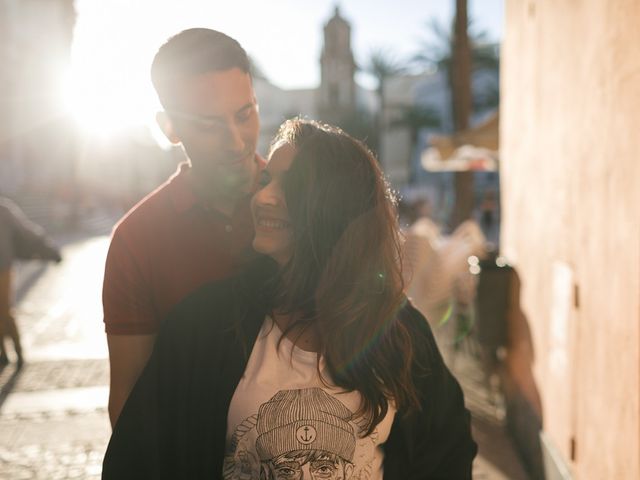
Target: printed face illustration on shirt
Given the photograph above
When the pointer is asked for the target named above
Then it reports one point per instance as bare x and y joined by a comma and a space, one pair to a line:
310, 464
304, 434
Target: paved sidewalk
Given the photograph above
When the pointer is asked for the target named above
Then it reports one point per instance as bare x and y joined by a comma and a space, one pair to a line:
53, 422
497, 458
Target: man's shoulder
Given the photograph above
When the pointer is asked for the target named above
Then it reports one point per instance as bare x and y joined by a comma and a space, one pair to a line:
153, 209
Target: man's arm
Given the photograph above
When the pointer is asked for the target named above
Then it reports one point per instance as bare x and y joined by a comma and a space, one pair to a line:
129, 320
30, 240
128, 355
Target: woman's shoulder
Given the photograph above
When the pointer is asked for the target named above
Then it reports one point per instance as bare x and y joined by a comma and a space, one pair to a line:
416, 323
218, 303
427, 361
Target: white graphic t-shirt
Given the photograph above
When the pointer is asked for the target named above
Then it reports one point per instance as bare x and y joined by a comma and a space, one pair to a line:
284, 423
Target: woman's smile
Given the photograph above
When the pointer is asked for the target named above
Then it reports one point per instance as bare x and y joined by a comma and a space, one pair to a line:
271, 223
273, 228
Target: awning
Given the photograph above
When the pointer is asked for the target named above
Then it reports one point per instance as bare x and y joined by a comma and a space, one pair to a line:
472, 149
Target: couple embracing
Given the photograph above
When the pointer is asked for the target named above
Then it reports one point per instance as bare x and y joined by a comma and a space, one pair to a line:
255, 311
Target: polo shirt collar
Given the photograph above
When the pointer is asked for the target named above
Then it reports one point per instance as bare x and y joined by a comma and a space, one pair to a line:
181, 193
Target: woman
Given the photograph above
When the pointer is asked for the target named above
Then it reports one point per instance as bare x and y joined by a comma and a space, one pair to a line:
311, 363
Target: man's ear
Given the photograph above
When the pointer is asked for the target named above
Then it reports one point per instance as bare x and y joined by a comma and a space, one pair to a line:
164, 122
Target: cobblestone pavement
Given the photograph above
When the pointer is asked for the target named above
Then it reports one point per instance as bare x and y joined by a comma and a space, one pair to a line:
53, 417
53, 422
54, 375
53, 445
497, 458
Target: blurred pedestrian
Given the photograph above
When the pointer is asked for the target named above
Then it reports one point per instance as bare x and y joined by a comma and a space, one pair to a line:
436, 273
488, 216
310, 363
196, 227
20, 239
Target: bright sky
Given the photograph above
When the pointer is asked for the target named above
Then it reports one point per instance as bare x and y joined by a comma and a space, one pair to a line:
115, 42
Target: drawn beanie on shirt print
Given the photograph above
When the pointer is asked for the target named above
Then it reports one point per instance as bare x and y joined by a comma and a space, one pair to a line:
305, 433
299, 434
308, 419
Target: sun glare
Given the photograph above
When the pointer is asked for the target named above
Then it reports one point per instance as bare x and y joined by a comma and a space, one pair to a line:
105, 102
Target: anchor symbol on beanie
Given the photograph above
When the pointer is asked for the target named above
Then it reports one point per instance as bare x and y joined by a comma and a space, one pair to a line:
306, 434
305, 419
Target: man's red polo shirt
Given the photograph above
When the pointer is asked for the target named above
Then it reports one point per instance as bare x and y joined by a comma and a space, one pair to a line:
163, 249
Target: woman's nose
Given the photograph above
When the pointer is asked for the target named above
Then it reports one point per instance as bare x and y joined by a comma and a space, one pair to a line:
267, 196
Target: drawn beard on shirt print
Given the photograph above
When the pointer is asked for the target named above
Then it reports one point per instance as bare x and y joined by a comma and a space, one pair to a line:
300, 434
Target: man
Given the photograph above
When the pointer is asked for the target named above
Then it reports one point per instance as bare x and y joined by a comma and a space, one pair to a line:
194, 228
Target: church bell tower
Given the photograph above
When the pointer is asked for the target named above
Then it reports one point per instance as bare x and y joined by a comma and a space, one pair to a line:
337, 93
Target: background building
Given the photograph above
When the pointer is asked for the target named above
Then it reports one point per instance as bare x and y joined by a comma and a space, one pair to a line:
52, 167
35, 46
338, 99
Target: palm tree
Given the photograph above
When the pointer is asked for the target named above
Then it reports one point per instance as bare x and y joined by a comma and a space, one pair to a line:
382, 64
461, 104
459, 52
439, 52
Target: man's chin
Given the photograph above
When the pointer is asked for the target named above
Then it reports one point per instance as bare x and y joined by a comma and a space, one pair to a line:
227, 177
239, 180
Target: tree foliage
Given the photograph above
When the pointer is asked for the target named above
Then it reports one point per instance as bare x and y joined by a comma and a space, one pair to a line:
437, 51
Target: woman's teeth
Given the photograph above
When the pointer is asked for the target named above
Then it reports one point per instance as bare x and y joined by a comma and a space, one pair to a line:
272, 223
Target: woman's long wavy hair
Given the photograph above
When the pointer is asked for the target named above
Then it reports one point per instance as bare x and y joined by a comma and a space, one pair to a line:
344, 277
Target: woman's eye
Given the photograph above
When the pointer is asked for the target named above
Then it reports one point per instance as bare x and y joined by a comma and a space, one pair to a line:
264, 178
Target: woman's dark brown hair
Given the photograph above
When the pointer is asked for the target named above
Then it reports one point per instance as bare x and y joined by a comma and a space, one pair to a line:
344, 276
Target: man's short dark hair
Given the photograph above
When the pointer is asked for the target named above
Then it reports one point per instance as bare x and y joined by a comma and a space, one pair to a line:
193, 52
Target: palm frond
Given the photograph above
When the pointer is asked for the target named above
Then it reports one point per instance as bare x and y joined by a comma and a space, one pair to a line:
439, 50
383, 63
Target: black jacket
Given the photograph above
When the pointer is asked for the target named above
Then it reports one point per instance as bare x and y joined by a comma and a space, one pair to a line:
174, 423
